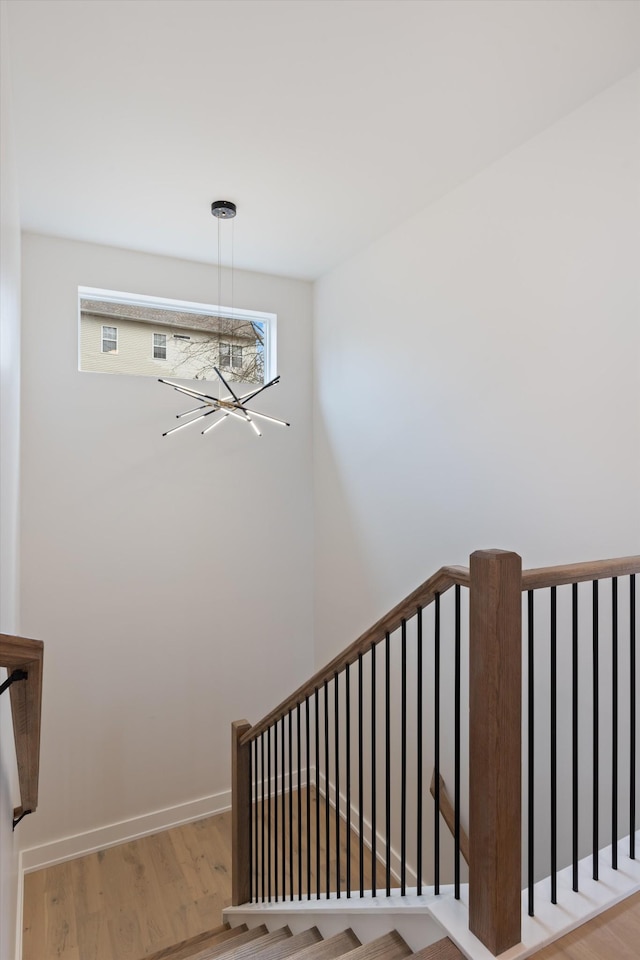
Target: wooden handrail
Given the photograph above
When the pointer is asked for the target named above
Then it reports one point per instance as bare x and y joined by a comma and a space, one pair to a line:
422, 596
579, 572
440, 582
18, 653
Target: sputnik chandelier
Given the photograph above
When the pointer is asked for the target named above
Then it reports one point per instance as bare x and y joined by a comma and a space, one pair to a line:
233, 404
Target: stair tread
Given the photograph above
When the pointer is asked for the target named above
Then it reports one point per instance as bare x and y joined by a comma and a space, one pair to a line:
263, 946
209, 938
331, 948
220, 949
390, 946
443, 949
239, 943
292, 945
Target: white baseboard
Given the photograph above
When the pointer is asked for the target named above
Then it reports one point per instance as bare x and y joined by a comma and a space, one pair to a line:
81, 844
395, 860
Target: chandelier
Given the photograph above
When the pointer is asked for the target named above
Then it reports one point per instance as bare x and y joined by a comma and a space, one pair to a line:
232, 404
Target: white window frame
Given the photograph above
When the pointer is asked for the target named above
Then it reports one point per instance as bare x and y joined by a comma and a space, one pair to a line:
268, 320
108, 326
155, 334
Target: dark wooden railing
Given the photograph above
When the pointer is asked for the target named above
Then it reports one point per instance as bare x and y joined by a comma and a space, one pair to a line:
425, 594
351, 708
591, 630
324, 758
20, 654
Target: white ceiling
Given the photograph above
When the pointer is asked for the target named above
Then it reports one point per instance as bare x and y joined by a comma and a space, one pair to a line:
327, 121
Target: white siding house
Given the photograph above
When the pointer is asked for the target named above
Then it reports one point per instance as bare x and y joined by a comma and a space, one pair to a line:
147, 341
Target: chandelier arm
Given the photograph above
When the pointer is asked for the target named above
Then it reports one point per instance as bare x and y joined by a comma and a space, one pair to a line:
215, 424
249, 396
263, 416
233, 394
243, 414
196, 394
193, 410
188, 423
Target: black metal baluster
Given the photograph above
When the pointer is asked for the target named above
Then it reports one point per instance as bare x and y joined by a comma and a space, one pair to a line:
574, 734
275, 809
530, 755
254, 747
317, 739
554, 746
347, 761
456, 812
336, 721
403, 759
419, 752
326, 790
299, 785
307, 744
268, 732
614, 723
436, 748
290, 725
387, 714
374, 828
596, 724
284, 815
632, 707
262, 806
360, 780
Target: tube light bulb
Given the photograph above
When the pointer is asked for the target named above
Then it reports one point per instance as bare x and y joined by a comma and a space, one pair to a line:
216, 424
181, 426
179, 416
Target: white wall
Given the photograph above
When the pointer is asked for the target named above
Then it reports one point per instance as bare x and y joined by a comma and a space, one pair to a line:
169, 578
477, 384
478, 371
9, 483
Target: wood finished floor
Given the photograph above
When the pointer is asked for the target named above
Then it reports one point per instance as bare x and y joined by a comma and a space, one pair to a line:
132, 900
127, 901
614, 935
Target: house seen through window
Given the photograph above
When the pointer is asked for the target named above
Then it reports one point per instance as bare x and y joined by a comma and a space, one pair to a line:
150, 336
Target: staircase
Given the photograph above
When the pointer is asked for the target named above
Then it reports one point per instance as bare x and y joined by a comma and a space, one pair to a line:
330, 803
242, 943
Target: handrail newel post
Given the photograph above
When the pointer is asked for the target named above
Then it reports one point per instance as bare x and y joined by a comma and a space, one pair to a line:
495, 706
240, 814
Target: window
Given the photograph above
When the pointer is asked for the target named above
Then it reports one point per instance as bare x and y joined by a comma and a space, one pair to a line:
159, 346
109, 339
231, 356
190, 339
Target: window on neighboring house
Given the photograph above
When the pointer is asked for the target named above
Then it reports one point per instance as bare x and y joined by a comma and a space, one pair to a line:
109, 339
159, 346
190, 339
231, 356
